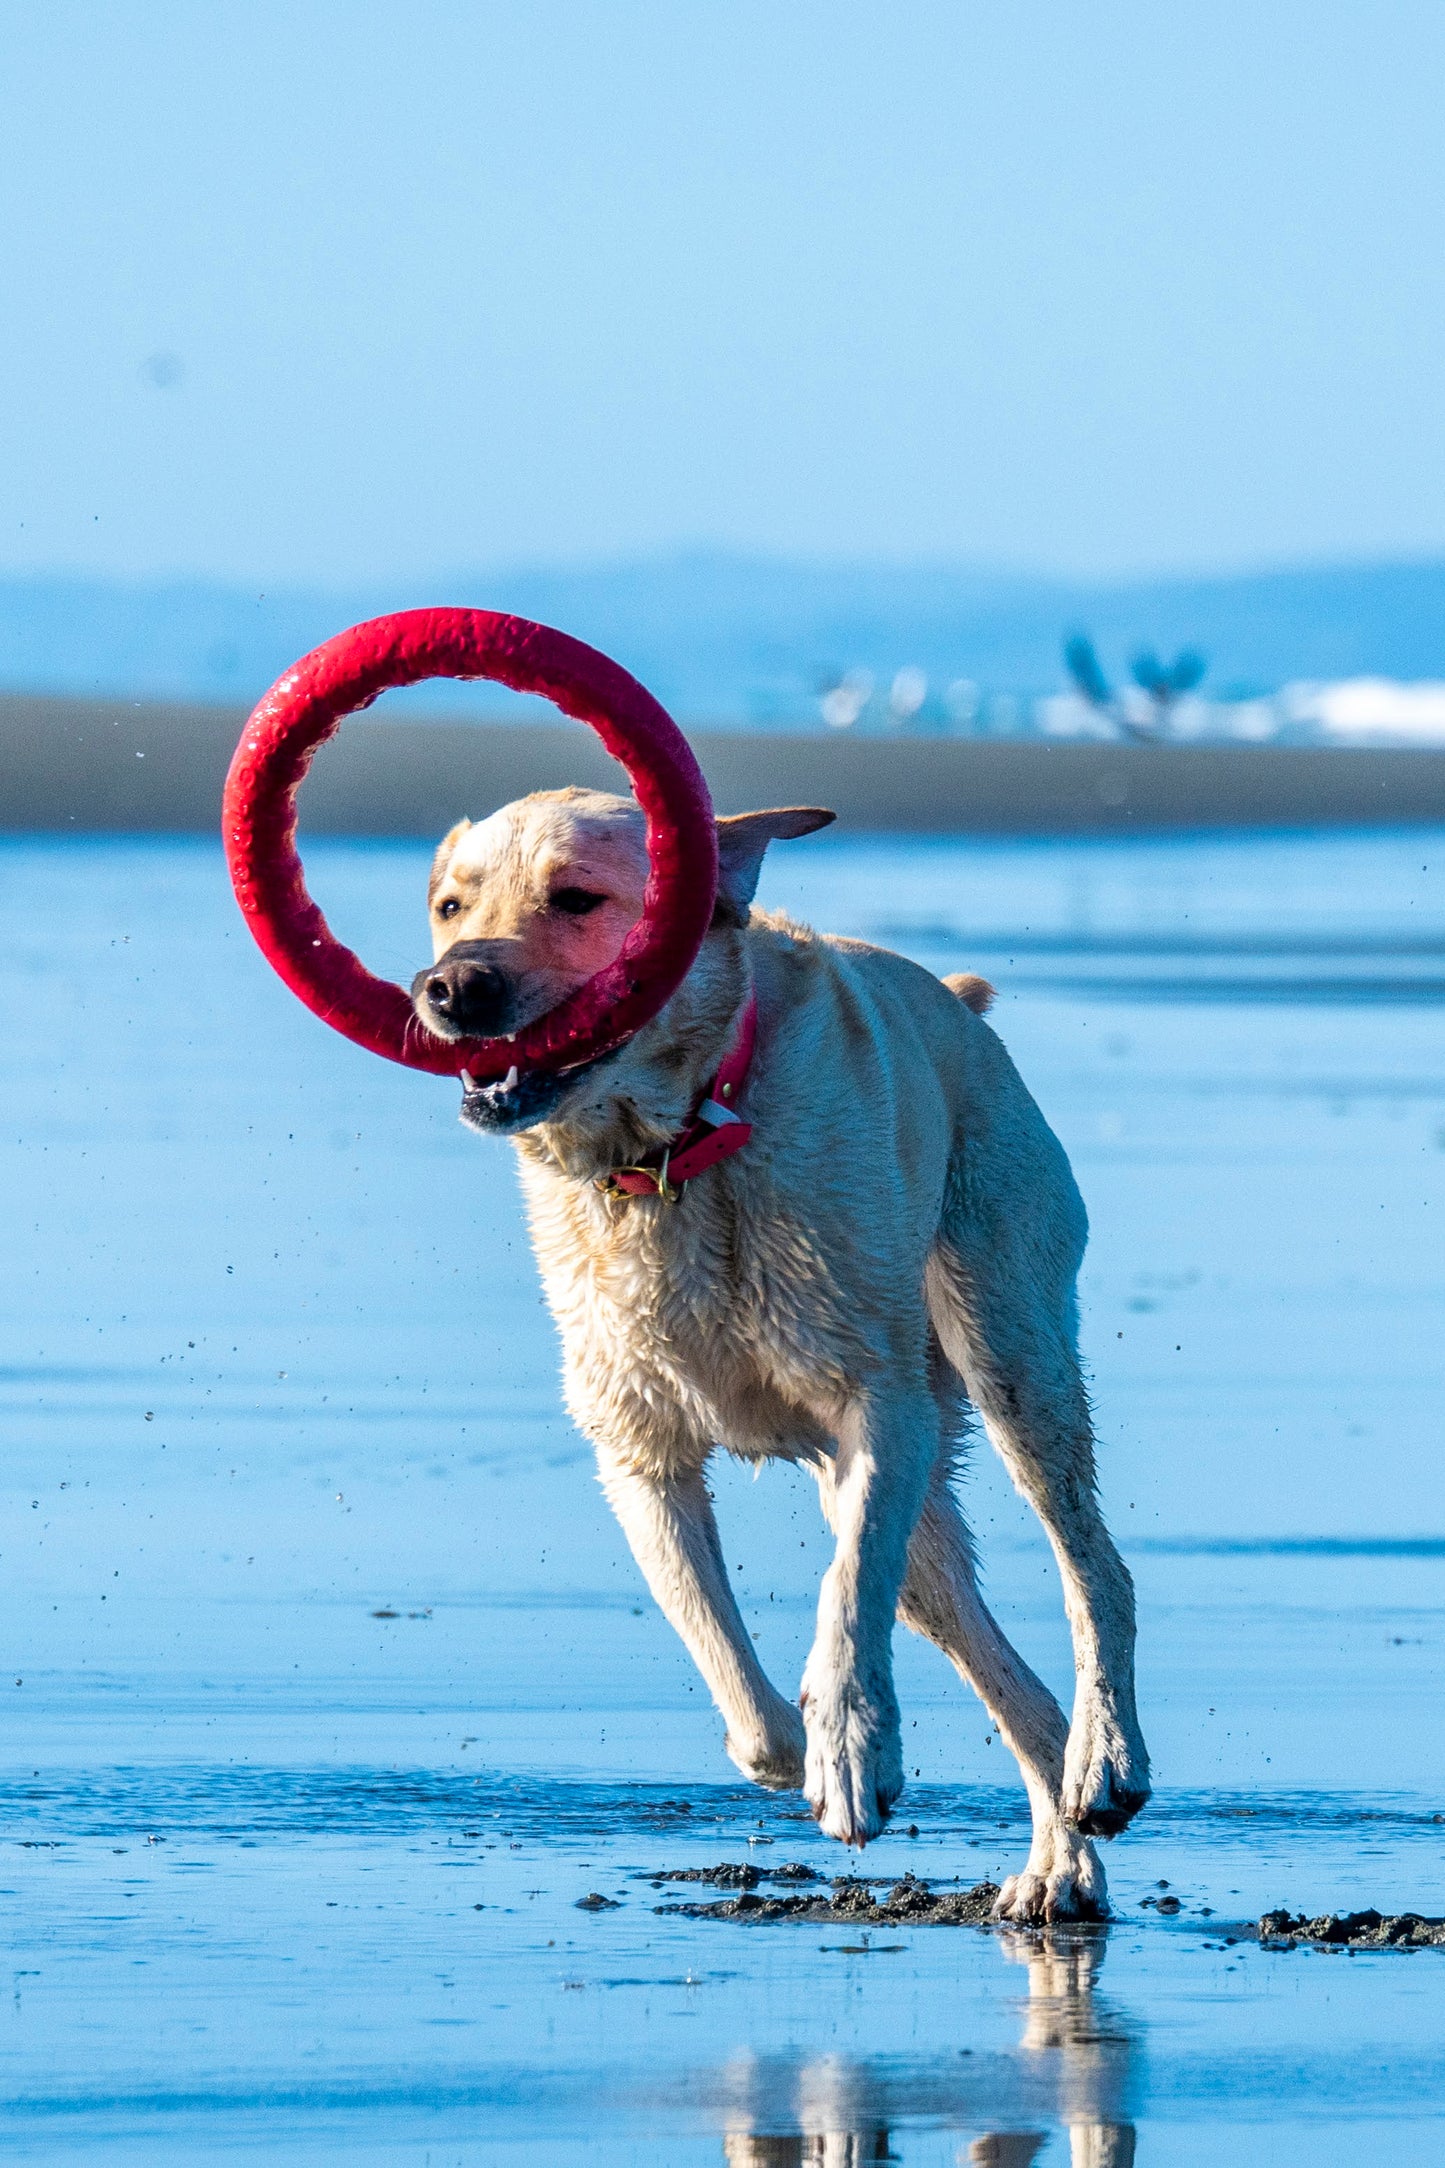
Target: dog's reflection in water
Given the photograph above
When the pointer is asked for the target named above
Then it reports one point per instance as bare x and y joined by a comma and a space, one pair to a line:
1093, 2049
836, 2148
1073, 2070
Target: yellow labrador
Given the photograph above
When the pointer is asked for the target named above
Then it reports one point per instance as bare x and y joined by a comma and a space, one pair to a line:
899, 1236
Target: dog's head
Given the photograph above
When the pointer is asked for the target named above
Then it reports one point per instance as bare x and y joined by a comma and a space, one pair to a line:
527, 905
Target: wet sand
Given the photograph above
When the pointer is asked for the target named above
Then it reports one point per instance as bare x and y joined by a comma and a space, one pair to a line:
331, 1691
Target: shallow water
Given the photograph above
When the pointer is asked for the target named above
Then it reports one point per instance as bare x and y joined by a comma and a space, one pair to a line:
273, 1363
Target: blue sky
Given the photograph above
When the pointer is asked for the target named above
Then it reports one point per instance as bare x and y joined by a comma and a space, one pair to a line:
317, 292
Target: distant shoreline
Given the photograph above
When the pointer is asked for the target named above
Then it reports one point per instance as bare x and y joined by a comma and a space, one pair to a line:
70, 765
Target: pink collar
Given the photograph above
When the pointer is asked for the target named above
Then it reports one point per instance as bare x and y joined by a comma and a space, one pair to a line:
711, 1132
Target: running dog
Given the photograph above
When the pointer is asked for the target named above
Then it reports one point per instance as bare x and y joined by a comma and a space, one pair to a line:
810, 1212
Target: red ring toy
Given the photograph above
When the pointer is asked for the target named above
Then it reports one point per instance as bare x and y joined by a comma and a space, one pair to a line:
308, 704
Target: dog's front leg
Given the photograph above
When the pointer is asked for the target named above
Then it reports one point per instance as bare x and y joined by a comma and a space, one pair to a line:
670, 1526
873, 1493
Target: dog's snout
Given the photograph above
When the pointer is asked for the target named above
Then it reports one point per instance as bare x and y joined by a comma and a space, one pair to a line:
468, 993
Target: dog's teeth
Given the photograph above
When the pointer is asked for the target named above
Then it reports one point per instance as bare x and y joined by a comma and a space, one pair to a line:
510, 1080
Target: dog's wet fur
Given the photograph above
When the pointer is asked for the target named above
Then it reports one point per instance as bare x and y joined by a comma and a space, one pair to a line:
894, 1252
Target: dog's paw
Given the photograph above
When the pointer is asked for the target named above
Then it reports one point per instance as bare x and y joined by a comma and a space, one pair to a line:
1063, 1880
1106, 1773
854, 1768
775, 1754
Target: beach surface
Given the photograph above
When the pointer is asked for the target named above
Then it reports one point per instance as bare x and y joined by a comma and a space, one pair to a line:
332, 1690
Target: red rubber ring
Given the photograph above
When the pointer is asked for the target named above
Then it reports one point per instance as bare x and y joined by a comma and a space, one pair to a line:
308, 704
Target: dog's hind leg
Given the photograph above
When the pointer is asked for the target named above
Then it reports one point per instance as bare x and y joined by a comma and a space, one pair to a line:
670, 1526
1001, 1295
1063, 1878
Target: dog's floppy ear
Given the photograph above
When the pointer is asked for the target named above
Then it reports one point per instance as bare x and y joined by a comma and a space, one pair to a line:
742, 839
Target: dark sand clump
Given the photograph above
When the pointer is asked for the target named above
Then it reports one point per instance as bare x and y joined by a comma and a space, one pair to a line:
735, 1874
1353, 1930
910, 1902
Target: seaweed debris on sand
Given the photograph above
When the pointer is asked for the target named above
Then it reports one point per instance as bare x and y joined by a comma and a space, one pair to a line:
911, 1902
732, 1874
1368, 1930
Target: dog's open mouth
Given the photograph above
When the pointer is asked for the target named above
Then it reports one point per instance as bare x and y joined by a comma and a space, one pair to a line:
519, 1099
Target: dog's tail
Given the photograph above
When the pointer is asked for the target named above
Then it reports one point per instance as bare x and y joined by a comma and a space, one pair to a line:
975, 993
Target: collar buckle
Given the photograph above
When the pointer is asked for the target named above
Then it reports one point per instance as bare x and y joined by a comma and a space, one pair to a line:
654, 1179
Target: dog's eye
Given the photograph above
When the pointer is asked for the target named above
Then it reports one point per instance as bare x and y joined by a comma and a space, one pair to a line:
576, 902
448, 908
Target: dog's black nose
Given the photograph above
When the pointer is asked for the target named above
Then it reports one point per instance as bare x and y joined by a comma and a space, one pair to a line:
471, 995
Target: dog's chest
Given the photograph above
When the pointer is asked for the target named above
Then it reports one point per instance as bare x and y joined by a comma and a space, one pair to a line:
713, 1301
